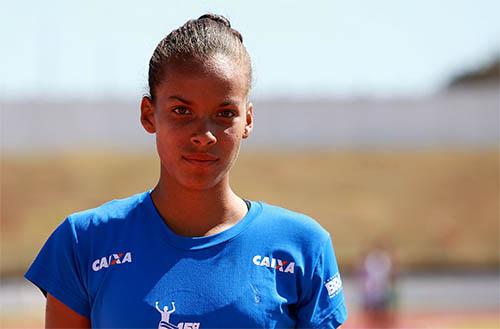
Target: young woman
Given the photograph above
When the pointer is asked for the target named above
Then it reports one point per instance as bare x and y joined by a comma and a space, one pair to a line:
190, 253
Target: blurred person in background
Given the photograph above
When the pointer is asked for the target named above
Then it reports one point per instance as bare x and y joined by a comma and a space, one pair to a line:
377, 279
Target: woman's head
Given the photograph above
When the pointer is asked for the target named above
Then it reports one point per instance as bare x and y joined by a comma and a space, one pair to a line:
199, 80
198, 40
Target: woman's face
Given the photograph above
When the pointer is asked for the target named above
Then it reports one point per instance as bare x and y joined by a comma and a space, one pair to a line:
200, 115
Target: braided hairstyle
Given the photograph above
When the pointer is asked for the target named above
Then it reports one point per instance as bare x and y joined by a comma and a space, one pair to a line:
198, 39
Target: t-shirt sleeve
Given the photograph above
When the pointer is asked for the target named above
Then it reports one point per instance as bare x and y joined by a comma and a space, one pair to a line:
56, 270
322, 304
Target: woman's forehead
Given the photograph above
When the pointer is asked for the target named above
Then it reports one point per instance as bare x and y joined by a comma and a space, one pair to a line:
197, 82
216, 74
218, 65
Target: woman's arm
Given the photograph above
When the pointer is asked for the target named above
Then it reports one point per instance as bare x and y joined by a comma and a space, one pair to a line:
58, 315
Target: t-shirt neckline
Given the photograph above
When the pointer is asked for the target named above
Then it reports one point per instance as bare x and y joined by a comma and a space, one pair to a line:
196, 243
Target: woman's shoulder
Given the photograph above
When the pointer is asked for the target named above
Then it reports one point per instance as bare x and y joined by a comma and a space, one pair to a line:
292, 223
112, 211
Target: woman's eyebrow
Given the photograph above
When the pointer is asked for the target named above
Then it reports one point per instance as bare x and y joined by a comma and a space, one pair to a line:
229, 102
180, 99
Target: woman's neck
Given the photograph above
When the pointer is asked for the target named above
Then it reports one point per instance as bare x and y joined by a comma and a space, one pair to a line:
198, 212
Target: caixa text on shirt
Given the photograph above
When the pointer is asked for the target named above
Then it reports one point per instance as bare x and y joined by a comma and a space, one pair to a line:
278, 264
113, 259
333, 285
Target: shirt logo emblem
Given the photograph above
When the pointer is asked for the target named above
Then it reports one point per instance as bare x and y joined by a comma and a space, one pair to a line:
113, 259
277, 264
165, 319
333, 285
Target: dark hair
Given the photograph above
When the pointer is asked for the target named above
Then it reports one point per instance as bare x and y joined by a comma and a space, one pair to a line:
198, 39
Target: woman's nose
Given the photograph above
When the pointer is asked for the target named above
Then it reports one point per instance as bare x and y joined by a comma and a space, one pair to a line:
203, 136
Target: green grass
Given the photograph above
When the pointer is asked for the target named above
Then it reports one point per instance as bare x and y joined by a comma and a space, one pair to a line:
435, 209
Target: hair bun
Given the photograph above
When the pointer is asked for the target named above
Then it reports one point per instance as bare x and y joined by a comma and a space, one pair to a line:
217, 18
224, 21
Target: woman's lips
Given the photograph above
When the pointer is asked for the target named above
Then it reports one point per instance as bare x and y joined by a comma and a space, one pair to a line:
200, 159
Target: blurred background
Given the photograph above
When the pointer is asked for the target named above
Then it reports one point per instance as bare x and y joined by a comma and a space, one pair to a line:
378, 118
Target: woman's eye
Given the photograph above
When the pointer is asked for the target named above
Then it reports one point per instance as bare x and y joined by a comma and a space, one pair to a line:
226, 114
181, 110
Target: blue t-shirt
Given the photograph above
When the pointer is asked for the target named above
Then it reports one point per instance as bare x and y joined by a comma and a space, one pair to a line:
122, 267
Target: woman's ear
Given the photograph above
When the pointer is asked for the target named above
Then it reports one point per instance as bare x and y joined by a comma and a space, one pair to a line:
249, 120
147, 115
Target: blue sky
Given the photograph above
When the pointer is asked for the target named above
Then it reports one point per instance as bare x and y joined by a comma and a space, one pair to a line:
96, 49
